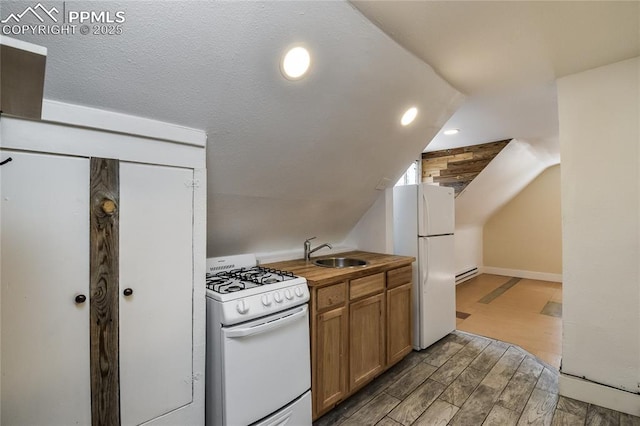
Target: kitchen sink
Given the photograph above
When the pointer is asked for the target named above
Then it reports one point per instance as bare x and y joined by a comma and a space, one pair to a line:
340, 262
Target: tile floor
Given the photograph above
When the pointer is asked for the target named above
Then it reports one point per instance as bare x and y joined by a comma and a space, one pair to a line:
525, 312
468, 380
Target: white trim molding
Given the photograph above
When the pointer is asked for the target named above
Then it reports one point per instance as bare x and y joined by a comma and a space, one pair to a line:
23, 45
78, 115
594, 393
519, 273
42, 136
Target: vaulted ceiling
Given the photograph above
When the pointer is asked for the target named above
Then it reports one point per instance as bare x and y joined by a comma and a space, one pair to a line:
506, 55
289, 160
286, 160
457, 167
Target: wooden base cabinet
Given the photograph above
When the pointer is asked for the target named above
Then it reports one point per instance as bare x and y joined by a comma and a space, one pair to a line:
399, 313
332, 340
399, 337
366, 340
359, 328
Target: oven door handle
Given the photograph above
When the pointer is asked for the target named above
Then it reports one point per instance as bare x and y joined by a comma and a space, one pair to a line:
263, 328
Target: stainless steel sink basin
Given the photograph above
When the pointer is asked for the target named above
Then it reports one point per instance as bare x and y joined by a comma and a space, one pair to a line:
340, 262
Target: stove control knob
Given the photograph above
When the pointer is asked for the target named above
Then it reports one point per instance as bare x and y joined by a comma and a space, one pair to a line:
288, 295
299, 292
242, 307
266, 300
277, 297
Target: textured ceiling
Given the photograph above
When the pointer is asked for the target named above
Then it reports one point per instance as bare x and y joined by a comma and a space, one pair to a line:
289, 160
286, 160
506, 55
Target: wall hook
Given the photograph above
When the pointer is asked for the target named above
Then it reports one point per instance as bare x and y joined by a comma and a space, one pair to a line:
6, 161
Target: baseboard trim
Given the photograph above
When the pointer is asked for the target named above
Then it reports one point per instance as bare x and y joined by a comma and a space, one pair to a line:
532, 275
594, 393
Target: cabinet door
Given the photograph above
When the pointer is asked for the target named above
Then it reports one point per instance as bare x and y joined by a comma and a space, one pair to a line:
330, 383
399, 323
367, 340
44, 241
156, 263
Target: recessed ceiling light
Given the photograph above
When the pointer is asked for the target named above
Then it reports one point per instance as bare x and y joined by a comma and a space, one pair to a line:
451, 132
409, 116
295, 63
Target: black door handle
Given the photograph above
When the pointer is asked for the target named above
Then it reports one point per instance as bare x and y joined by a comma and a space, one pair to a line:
2, 163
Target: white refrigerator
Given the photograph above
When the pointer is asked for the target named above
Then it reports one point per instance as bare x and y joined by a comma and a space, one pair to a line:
423, 225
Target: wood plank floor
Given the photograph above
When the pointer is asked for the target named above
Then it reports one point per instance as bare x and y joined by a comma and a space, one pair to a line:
465, 379
525, 312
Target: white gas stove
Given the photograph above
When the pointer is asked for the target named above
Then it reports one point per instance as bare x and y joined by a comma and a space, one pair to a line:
258, 359
246, 291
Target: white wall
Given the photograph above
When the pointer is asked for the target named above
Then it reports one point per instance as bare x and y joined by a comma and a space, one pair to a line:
468, 244
517, 165
526, 233
599, 136
374, 231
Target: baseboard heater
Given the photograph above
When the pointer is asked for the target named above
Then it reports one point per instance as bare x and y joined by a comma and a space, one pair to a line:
469, 273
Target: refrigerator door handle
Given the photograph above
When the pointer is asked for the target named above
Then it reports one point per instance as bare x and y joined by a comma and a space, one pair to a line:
424, 262
423, 212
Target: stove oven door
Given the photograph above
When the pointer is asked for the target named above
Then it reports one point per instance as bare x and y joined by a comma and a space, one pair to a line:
266, 365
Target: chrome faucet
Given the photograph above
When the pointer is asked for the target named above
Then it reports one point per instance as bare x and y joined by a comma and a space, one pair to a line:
308, 250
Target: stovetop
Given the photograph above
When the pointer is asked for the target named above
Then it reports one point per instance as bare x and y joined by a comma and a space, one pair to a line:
240, 279
246, 278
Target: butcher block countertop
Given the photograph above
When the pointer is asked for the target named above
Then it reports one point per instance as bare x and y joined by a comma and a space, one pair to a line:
319, 276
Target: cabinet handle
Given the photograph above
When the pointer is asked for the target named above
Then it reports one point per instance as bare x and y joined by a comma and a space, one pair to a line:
127, 292
6, 161
81, 298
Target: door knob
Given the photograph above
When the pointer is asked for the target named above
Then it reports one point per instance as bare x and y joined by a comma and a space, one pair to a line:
127, 292
81, 298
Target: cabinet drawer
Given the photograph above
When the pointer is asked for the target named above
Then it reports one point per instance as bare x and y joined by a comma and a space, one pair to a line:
333, 295
366, 285
399, 276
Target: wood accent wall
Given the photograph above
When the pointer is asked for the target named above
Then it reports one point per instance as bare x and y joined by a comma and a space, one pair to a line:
104, 289
457, 167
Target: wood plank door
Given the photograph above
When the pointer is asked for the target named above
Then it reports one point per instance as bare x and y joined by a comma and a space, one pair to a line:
330, 377
366, 340
399, 323
44, 276
156, 290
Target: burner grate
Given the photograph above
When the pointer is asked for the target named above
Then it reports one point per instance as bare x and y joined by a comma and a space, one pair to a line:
232, 280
